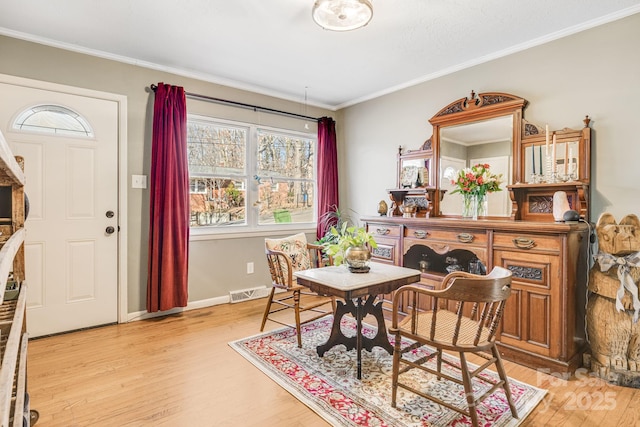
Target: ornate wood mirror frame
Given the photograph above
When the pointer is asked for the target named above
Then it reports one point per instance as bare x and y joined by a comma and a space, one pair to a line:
477, 109
532, 194
525, 196
415, 186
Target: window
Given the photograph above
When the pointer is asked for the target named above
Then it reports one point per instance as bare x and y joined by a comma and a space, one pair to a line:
53, 119
243, 175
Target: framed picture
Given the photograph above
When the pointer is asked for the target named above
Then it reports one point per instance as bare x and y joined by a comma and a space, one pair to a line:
409, 176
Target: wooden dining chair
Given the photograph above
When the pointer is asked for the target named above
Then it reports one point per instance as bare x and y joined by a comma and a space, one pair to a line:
479, 304
285, 256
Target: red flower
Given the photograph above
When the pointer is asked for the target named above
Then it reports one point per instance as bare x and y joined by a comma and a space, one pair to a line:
476, 180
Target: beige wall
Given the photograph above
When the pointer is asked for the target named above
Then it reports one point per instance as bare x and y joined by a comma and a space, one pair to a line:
595, 72
215, 266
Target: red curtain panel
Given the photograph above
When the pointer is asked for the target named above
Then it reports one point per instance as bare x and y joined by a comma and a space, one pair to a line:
327, 172
169, 202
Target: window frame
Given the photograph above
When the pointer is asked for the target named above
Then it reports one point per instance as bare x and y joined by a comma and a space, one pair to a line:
251, 225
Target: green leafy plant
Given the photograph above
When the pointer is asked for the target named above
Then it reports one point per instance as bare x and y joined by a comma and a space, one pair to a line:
341, 239
332, 218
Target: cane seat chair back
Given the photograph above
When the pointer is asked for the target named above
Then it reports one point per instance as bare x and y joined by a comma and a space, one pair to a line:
284, 257
471, 328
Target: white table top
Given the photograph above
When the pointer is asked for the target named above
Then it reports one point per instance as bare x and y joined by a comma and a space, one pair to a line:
339, 277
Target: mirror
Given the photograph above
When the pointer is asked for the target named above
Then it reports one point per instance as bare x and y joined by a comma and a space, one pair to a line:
462, 146
414, 171
539, 160
483, 128
416, 183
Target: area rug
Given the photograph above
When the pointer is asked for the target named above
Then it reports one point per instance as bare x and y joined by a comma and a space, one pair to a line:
328, 384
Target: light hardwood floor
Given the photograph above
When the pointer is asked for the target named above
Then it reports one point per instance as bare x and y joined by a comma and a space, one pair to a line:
179, 371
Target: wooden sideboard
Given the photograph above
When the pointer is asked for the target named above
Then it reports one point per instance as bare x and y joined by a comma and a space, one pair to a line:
543, 324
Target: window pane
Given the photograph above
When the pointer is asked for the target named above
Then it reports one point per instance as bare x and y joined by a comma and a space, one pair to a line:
217, 201
215, 148
285, 156
53, 119
286, 201
244, 175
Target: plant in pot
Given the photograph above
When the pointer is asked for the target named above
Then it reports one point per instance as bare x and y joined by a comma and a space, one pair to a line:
330, 219
348, 245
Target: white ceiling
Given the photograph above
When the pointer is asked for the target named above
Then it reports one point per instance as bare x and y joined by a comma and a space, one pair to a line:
274, 47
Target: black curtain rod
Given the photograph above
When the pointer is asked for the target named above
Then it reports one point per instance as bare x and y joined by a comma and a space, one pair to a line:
243, 105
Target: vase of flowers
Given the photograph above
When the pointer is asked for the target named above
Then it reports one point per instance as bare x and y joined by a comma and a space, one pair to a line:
474, 184
469, 205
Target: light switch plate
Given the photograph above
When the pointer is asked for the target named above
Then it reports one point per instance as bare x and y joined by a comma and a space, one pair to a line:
138, 181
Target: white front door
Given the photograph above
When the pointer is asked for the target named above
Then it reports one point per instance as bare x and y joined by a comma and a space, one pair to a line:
71, 254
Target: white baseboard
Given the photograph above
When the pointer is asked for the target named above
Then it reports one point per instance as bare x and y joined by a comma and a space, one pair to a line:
193, 305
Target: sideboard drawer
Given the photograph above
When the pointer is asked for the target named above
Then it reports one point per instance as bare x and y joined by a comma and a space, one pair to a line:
455, 236
384, 230
526, 241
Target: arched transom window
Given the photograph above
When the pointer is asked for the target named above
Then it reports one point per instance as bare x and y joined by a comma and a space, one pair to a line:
54, 119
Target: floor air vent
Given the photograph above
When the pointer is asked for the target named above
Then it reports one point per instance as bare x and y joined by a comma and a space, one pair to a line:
247, 294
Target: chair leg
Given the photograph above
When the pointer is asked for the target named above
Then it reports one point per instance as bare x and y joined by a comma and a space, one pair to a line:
296, 302
468, 390
268, 309
439, 362
503, 376
396, 370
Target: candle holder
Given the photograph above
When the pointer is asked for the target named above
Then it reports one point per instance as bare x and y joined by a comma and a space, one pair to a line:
572, 172
549, 170
536, 179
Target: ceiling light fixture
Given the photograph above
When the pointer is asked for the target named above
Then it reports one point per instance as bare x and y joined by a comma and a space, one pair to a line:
342, 15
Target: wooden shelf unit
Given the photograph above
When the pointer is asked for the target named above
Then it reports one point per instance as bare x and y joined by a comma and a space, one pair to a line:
14, 403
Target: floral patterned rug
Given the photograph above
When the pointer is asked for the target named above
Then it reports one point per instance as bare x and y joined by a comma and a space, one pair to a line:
328, 385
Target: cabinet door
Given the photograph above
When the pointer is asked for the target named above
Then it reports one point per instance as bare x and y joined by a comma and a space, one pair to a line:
532, 316
387, 252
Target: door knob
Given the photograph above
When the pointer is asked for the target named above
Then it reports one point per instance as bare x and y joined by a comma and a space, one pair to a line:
110, 230
109, 214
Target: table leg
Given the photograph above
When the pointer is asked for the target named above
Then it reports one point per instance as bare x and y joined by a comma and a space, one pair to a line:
337, 337
359, 316
359, 311
380, 339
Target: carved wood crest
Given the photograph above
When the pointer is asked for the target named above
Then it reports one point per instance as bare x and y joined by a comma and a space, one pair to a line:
477, 101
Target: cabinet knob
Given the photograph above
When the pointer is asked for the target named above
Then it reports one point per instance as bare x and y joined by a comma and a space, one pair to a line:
420, 234
465, 237
524, 242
